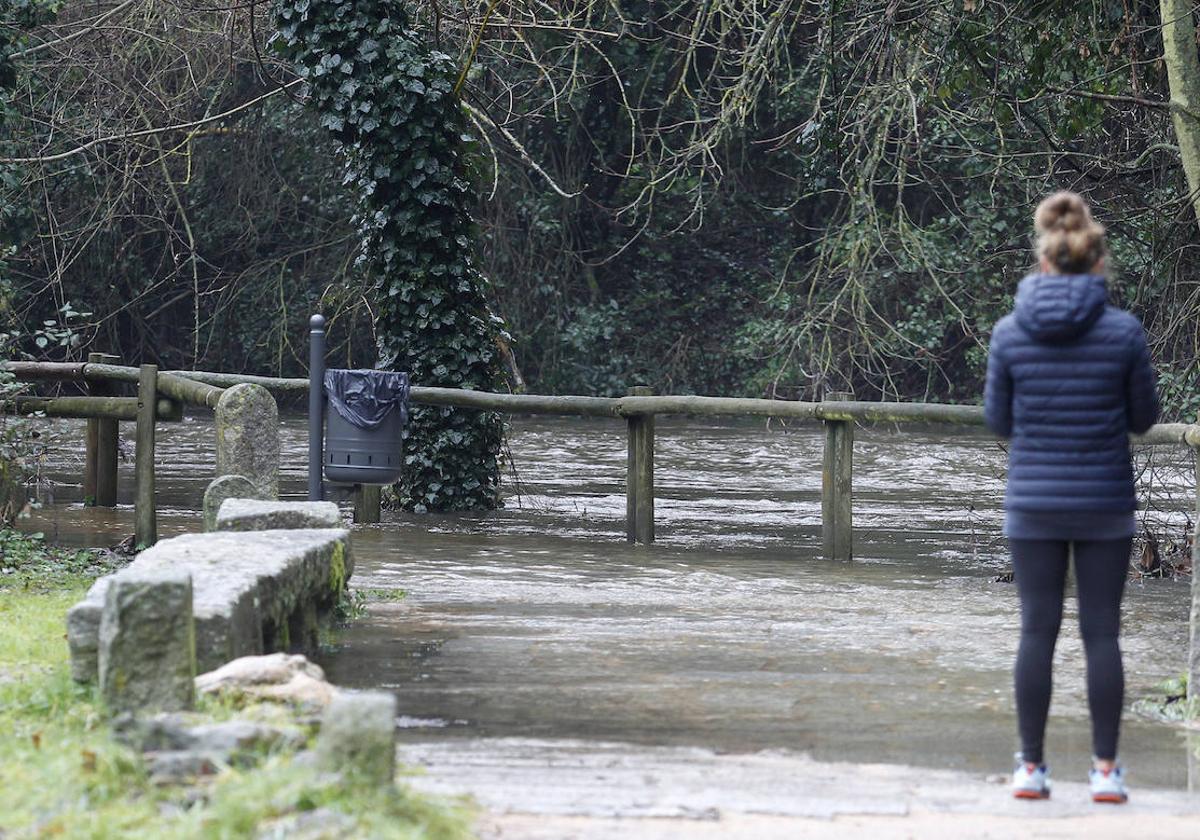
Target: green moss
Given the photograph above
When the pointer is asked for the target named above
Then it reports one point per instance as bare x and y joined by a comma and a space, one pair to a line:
62, 774
337, 570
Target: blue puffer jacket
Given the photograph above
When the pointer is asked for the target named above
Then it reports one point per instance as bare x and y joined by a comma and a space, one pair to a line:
1068, 379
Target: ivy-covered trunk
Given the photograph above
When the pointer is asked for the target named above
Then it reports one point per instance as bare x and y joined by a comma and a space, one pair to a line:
389, 98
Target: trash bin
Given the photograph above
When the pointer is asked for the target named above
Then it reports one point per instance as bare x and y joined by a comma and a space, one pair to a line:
365, 415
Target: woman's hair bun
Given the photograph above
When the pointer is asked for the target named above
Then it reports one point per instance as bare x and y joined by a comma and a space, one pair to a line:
1068, 237
1061, 211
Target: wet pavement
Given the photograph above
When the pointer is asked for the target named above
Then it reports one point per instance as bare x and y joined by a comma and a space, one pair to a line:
606, 780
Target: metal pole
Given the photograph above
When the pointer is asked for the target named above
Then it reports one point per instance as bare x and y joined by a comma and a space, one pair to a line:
316, 407
145, 517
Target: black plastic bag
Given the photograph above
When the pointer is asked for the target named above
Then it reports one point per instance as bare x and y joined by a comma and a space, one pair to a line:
365, 398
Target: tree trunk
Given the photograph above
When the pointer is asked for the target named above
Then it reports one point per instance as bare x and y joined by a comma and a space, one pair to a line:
1183, 76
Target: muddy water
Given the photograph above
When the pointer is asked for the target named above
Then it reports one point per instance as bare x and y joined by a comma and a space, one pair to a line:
538, 622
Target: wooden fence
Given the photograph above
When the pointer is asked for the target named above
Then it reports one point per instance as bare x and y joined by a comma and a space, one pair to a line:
169, 391
160, 396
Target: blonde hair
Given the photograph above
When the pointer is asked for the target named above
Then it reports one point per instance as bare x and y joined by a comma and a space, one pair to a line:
1067, 236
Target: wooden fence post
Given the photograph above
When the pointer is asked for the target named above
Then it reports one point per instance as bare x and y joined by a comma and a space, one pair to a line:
145, 516
368, 498
100, 462
837, 487
639, 474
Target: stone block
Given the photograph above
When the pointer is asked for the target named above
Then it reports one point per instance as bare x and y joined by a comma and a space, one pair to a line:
250, 589
233, 741
358, 737
83, 638
226, 487
320, 824
257, 515
147, 643
179, 767
247, 422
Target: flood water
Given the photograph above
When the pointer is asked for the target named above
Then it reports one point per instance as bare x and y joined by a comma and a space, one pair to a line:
731, 633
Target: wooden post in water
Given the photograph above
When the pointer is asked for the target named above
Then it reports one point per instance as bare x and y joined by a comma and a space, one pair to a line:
368, 499
145, 516
639, 474
100, 462
837, 487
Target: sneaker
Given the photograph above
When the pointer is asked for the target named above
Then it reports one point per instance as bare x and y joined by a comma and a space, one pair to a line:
1108, 785
1030, 781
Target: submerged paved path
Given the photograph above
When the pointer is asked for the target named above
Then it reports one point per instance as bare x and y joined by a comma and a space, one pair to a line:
555, 790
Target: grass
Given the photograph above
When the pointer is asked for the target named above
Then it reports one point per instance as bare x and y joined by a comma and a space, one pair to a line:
354, 602
27, 562
63, 775
1170, 703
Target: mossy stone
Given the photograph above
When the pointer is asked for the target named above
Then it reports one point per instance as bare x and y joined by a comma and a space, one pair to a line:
247, 421
226, 487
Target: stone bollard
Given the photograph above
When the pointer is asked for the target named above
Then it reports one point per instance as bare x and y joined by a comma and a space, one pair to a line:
248, 437
222, 488
83, 640
358, 737
147, 647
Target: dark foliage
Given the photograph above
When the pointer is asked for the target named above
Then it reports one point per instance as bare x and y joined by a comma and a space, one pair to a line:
720, 197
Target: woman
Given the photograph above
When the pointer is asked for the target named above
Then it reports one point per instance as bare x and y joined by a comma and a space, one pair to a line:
1069, 377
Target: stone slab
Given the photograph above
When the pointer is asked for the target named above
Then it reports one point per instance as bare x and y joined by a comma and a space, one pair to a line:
246, 588
226, 487
147, 645
258, 515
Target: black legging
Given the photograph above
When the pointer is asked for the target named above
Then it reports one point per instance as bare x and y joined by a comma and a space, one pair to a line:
1040, 567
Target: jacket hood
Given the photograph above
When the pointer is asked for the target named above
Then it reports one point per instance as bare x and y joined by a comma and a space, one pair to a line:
1060, 307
